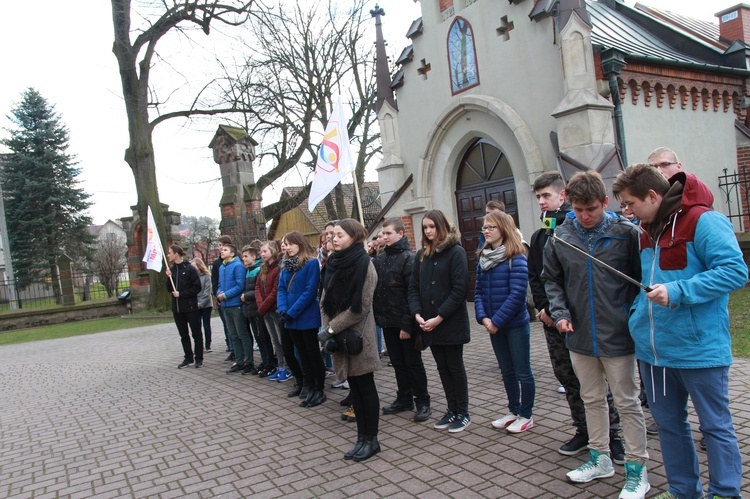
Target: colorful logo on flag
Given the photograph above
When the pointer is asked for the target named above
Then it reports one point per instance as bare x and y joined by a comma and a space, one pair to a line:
329, 153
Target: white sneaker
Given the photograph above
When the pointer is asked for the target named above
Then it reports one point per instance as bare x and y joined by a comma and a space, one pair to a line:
504, 421
598, 466
560, 389
636, 481
520, 425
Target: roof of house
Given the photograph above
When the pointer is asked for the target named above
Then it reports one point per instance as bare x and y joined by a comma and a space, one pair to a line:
369, 192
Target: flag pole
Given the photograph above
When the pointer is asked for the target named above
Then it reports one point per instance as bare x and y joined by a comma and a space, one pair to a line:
359, 200
167, 264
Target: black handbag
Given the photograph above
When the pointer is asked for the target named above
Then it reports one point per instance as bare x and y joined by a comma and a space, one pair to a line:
349, 341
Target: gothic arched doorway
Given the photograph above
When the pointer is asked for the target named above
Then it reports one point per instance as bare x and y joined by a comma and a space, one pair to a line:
484, 173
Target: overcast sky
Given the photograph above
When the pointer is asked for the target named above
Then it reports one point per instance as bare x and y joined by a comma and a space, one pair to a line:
65, 53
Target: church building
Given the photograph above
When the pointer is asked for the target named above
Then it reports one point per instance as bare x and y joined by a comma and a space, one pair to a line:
489, 94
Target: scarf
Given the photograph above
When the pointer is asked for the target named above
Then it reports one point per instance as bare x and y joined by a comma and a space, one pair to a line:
291, 264
492, 258
344, 279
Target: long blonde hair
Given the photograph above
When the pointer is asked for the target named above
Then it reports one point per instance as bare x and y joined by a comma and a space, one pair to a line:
273, 247
508, 232
201, 266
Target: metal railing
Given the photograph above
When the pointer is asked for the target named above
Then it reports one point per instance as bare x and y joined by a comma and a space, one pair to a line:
87, 286
736, 190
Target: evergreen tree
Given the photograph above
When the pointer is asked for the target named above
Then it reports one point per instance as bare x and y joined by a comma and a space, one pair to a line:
44, 206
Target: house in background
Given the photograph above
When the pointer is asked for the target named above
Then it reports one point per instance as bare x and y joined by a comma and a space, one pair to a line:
312, 224
109, 230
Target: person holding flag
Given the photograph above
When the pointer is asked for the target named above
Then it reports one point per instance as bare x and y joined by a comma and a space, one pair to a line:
184, 283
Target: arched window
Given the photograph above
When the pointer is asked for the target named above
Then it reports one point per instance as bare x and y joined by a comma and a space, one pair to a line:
462, 56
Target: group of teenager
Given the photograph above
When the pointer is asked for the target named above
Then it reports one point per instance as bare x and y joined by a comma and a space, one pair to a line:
601, 328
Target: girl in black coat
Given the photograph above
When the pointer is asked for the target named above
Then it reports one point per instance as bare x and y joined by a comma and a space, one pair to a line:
437, 299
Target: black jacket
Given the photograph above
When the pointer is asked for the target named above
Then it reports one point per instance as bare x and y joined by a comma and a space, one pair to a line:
250, 305
188, 283
536, 256
394, 267
439, 285
215, 275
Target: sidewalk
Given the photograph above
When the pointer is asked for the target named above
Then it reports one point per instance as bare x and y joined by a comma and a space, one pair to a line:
110, 415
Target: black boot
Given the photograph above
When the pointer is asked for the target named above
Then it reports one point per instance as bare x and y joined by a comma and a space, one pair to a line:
305, 391
308, 398
369, 449
318, 398
347, 401
356, 448
296, 390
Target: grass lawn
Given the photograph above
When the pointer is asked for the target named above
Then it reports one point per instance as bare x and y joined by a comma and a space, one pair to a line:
739, 322
76, 329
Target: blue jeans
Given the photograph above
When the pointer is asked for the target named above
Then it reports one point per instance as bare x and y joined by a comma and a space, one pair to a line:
709, 390
512, 348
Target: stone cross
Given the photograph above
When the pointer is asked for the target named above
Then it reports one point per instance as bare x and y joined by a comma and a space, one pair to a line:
424, 69
505, 29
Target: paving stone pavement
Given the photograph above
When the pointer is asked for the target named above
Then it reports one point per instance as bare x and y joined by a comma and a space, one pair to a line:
110, 415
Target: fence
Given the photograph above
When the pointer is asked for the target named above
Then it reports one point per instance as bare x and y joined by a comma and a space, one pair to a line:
87, 286
734, 187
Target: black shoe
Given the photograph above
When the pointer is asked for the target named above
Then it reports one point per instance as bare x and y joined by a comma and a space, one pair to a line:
616, 449
318, 398
368, 449
576, 445
702, 443
230, 358
198, 364
255, 370
397, 407
208, 349
357, 447
305, 392
248, 369
423, 413
295, 391
184, 364
346, 401
234, 369
308, 398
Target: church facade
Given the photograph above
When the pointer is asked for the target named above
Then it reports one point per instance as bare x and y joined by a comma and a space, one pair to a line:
489, 94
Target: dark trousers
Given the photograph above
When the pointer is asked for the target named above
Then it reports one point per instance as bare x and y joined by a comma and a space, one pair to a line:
450, 366
411, 378
559, 355
226, 331
287, 345
205, 314
262, 338
192, 319
366, 403
308, 348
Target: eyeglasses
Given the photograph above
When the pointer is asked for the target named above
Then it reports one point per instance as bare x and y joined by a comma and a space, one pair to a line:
662, 165
485, 228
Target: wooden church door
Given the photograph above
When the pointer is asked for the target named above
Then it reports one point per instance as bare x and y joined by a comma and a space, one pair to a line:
484, 174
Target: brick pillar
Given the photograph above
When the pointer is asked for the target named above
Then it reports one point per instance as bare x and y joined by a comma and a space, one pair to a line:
409, 231
743, 177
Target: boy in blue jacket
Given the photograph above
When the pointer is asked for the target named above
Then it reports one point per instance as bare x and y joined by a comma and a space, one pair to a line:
691, 260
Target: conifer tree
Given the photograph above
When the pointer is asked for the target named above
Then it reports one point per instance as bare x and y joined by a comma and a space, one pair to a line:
44, 205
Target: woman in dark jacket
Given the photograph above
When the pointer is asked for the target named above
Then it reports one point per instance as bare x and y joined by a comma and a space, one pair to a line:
346, 302
437, 299
500, 306
184, 283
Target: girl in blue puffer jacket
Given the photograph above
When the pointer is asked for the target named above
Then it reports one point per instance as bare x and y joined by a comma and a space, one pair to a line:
500, 306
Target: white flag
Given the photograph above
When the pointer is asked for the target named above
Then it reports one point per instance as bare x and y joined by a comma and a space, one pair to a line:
334, 158
154, 251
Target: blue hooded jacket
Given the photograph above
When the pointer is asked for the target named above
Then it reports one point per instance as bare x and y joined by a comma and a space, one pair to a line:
697, 258
500, 293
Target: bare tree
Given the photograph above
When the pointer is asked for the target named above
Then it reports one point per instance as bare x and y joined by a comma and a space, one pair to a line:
136, 58
110, 260
301, 57
201, 236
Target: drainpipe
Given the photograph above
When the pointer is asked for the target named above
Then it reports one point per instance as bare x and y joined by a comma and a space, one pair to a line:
612, 63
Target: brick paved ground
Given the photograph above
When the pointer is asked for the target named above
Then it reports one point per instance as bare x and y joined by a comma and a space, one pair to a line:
110, 415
